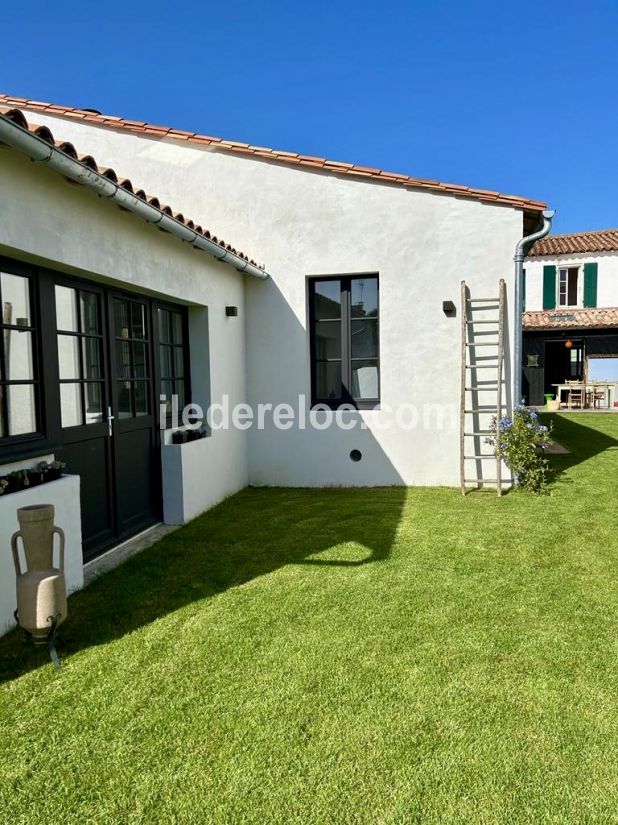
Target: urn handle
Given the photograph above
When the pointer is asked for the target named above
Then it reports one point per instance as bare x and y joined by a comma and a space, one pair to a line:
16, 561
60, 533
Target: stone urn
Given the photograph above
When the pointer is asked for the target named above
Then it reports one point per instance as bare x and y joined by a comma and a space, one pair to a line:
41, 587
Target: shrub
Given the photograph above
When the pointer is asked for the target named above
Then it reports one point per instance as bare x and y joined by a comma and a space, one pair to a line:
519, 441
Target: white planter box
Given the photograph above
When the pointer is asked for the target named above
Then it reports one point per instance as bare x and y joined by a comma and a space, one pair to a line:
64, 495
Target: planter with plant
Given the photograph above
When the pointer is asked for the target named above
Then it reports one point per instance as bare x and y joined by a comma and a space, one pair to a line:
520, 442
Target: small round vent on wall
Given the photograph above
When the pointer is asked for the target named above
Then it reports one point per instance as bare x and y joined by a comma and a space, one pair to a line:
356, 455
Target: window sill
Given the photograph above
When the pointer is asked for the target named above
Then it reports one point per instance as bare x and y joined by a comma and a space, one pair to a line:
11, 452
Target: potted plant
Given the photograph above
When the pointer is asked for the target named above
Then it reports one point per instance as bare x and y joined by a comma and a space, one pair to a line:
17, 480
35, 477
3, 485
51, 470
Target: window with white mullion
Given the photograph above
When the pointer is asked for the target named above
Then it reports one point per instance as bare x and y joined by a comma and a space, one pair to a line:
569, 286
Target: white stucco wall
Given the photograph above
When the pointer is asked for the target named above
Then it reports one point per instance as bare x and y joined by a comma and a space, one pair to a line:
607, 276
304, 223
45, 220
64, 495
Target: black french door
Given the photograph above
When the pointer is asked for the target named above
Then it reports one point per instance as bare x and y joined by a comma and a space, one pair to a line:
107, 410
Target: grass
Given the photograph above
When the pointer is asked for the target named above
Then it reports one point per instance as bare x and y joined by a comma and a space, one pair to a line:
339, 656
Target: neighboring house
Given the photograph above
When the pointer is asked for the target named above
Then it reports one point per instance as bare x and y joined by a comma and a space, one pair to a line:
109, 313
571, 295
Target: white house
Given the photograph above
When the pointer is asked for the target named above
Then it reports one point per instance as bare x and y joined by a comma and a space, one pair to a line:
108, 314
571, 298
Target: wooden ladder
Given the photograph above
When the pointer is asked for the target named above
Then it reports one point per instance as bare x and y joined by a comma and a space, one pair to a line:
477, 385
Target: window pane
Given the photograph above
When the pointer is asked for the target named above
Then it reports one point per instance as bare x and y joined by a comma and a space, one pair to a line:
167, 389
165, 357
165, 332
121, 319
125, 393
365, 338
327, 339
179, 362
139, 360
138, 320
365, 380
179, 389
572, 294
327, 299
328, 379
92, 357
68, 356
17, 355
21, 409
176, 327
66, 308
94, 403
90, 312
123, 359
364, 297
71, 405
15, 290
141, 397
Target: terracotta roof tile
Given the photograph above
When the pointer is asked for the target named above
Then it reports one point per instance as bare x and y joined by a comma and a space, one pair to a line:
571, 318
362, 172
600, 240
44, 133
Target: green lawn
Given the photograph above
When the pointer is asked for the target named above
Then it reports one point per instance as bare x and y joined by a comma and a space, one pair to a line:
339, 656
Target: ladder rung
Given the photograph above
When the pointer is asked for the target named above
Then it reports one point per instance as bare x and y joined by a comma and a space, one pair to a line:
487, 409
482, 366
486, 481
476, 457
481, 432
491, 388
493, 321
482, 344
483, 300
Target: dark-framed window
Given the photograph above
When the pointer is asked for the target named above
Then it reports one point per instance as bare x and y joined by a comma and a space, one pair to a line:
19, 370
344, 336
173, 355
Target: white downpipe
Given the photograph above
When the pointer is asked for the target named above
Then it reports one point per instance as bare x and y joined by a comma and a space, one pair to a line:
41, 151
520, 253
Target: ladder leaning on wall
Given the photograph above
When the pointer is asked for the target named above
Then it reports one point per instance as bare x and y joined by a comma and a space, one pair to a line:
482, 385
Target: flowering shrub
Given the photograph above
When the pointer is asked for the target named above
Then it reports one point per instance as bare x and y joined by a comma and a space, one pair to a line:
519, 441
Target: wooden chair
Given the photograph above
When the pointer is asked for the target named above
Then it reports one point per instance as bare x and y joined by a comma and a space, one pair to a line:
576, 395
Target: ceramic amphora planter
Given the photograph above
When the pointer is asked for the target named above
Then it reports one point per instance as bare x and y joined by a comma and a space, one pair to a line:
41, 588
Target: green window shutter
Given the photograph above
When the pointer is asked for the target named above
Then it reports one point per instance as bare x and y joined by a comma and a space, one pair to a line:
590, 284
549, 287
523, 291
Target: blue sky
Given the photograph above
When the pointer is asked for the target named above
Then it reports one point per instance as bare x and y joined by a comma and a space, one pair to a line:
519, 97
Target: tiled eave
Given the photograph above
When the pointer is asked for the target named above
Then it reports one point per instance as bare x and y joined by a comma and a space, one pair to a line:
600, 318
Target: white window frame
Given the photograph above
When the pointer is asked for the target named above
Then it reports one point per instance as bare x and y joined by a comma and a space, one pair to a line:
580, 286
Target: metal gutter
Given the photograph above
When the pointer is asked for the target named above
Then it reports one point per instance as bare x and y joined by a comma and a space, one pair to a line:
520, 254
40, 151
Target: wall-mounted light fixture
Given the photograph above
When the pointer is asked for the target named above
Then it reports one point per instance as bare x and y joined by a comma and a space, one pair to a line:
448, 308
231, 312
568, 343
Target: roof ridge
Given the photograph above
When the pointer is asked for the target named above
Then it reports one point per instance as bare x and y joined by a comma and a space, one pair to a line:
265, 153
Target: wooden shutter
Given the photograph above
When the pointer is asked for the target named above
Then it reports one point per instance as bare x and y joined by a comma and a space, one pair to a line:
590, 284
549, 287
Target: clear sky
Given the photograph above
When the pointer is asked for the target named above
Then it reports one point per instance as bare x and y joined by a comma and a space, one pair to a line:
516, 96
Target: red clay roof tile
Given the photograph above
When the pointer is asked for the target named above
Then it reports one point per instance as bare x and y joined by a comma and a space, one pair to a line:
600, 240
571, 318
362, 172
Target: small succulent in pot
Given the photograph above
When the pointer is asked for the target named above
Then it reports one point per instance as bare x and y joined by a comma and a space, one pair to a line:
51, 470
3, 485
17, 480
35, 477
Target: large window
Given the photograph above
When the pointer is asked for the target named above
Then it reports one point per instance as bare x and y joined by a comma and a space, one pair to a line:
18, 377
568, 286
345, 366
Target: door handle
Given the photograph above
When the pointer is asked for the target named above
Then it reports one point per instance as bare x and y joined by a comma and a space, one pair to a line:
110, 418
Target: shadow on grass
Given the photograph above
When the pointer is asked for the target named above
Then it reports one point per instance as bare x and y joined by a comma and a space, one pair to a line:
249, 535
583, 442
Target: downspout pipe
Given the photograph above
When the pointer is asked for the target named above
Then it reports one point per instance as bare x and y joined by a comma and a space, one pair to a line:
520, 253
41, 151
